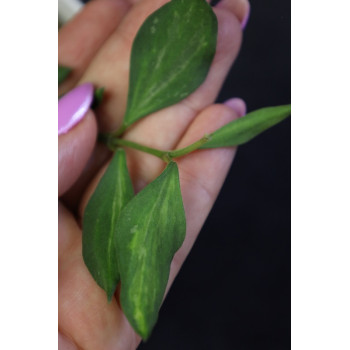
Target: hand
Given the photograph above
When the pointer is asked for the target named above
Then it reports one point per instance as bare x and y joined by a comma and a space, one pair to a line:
97, 44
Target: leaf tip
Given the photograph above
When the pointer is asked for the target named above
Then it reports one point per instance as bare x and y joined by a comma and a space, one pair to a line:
109, 296
286, 109
110, 289
289, 108
145, 336
143, 331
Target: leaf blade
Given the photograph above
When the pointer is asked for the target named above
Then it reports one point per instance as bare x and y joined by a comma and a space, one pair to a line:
99, 243
244, 129
152, 228
171, 56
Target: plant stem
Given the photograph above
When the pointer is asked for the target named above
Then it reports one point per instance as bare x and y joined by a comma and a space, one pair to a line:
121, 142
114, 142
183, 151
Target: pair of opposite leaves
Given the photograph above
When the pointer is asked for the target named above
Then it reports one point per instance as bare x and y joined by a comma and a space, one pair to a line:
134, 238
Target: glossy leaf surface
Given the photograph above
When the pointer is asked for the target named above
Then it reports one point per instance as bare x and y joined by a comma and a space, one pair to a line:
244, 129
99, 242
152, 228
171, 56
63, 73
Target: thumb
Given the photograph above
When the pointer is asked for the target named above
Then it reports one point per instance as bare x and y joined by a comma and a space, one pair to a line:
77, 132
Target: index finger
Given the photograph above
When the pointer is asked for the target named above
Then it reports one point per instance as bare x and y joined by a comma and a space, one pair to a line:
81, 38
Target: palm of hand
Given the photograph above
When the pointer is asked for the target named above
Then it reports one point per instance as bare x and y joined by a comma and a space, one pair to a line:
97, 44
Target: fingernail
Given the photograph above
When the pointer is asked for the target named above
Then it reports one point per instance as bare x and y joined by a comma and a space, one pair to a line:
72, 107
238, 105
246, 18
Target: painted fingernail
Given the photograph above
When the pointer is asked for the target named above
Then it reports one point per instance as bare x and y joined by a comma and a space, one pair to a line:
72, 107
238, 105
246, 18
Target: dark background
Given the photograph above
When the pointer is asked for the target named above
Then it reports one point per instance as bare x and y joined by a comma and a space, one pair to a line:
233, 292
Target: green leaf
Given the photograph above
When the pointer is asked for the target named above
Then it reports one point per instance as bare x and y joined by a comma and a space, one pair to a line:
63, 73
113, 192
171, 56
151, 228
244, 129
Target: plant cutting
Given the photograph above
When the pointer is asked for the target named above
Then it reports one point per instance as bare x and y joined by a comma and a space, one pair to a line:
131, 238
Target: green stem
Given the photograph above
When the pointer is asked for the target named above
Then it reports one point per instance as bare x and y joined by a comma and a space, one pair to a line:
183, 151
113, 142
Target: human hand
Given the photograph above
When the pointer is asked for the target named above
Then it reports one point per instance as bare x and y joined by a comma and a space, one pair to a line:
97, 44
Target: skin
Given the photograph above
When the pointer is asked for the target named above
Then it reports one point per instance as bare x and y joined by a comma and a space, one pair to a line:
97, 45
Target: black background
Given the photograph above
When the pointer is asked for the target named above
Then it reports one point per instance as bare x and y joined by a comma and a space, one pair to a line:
233, 292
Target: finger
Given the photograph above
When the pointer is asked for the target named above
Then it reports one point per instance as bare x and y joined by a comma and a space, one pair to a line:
114, 75
64, 343
84, 315
163, 129
99, 157
240, 7
77, 130
228, 45
71, 199
207, 121
81, 38
199, 193
143, 167
202, 175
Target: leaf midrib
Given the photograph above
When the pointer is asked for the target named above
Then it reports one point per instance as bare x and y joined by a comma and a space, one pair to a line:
138, 302
167, 82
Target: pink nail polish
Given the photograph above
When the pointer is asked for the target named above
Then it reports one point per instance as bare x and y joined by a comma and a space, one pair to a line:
238, 105
72, 107
245, 19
